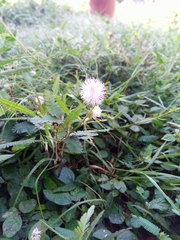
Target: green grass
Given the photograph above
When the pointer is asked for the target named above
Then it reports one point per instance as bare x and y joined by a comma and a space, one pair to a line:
114, 177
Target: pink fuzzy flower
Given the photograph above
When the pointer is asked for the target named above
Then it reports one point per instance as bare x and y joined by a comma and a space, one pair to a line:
93, 91
36, 234
96, 112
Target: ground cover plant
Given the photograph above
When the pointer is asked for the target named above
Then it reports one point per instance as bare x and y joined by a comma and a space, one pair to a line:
71, 169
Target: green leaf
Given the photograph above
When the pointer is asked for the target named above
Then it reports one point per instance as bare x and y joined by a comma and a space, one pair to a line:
27, 206
144, 121
116, 218
69, 215
67, 176
52, 106
38, 121
4, 157
73, 115
84, 223
61, 199
16, 71
18, 143
127, 235
99, 142
135, 128
77, 194
94, 223
12, 106
12, 225
108, 185
2, 111
65, 233
149, 138
73, 145
159, 203
176, 209
120, 185
6, 61
7, 134
41, 227
55, 87
169, 138
101, 233
66, 188
23, 127
49, 183
62, 105
149, 226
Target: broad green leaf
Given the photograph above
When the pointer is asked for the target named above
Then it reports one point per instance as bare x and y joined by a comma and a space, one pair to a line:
120, 185
99, 142
108, 185
69, 215
11, 212
49, 183
12, 225
66, 188
148, 138
158, 203
116, 218
73, 145
58, 198
41, 227
4, 157
72, 224
1, 180
12, 106
10, 173
127, 235
169, 138
101, 233
65, 233
67, 176
27, 206
135, 128
7, 134
77, 194
144, 121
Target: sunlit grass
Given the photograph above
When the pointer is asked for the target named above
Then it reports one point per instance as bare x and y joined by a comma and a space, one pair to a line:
158, 14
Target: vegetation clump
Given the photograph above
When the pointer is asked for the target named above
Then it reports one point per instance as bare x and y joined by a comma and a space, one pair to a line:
89, 126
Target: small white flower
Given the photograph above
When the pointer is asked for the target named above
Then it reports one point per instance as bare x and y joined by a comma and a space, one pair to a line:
93, 91
96, 112
36, 234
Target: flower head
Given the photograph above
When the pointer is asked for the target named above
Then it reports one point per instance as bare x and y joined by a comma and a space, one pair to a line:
36, 234
96, 112
93, 91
